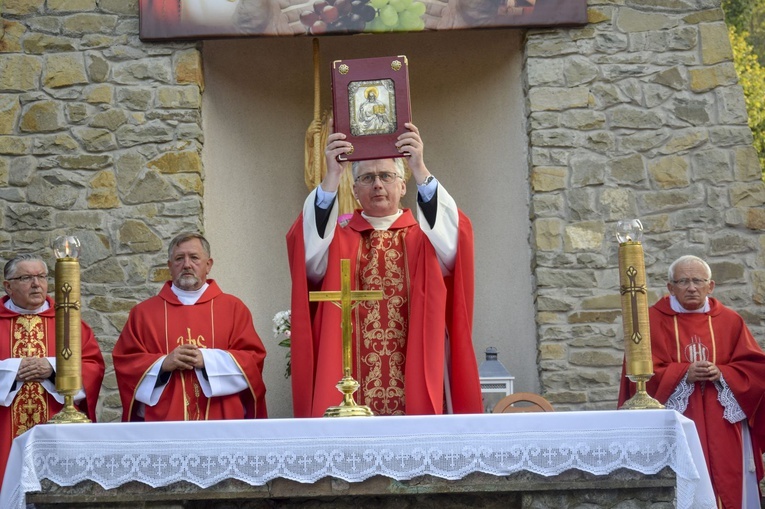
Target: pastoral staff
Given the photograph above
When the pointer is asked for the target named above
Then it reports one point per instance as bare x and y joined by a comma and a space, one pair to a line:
412, 351
191, 352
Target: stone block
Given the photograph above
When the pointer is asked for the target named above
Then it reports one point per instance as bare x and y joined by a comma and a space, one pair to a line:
558, 98
71, 5
110, 119
151, 187
22, 170
19, 73
42, 116
552, 351
64, 70
747, 194
728, 136
670, 172
127, 7
584, 236
188, 68
184, 97
98, 94
40, 43
595, 317
9, 113
548, 178
22, 7
95, 140
596, 358
746, 164
618, 203
136, 237
177, 162
4, 169
672, 78
152, 132
684, 140
707, 78
89, 23
15, 145
715, 44
11, 33
547, 234
632, 20
587, 169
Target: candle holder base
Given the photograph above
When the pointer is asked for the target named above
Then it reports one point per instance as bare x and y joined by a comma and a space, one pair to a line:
641, 400
348, 408
69, 414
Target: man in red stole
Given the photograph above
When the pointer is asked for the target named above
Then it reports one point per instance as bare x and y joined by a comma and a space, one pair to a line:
190, 353
412, 351
709, 368
28, 393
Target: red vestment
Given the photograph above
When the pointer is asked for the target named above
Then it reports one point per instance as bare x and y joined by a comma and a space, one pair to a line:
731, 347
35, 336
437, 304
158, 325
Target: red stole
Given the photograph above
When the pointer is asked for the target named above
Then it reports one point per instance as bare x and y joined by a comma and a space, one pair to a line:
381, 326
30, 406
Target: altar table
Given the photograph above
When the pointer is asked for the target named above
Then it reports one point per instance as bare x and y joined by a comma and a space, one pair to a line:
354, 449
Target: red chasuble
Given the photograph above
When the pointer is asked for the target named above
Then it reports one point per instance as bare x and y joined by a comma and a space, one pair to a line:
723, 335
399, 343
158, 325
35, 336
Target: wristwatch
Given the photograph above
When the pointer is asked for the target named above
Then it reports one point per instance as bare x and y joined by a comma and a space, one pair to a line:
427, 180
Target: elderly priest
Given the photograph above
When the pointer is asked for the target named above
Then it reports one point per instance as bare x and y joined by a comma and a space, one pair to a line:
28, 393
412, 351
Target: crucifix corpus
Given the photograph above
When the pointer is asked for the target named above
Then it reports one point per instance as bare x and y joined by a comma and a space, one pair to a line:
346, 299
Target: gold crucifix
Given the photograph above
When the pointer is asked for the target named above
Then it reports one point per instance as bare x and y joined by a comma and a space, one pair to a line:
346, 300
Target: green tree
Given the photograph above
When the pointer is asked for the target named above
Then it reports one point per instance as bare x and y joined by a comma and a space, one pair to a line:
748, 17
751, 76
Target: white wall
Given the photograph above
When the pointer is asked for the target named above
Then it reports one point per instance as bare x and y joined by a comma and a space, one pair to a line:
467, 100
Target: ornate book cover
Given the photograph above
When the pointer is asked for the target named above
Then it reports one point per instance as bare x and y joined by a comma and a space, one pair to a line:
370, 99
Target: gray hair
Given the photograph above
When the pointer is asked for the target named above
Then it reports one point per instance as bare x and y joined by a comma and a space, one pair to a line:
185, 237
688, 259
399, 161
10, 268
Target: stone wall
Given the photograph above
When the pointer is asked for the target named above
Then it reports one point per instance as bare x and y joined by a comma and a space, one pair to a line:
636, 115
100, 136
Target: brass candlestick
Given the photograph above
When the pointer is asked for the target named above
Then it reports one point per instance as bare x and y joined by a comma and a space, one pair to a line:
637, 332
68, 329
345, 299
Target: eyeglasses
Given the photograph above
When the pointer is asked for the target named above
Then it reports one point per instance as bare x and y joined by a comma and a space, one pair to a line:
685, 282
385, 177
28, 278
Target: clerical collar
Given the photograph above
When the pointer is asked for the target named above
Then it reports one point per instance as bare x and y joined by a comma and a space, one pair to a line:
382, 223
678, 308
9, 304
188, 298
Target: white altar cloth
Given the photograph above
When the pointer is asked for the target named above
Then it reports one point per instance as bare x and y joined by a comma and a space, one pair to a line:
354, 449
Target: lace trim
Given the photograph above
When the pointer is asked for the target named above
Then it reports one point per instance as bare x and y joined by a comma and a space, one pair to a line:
727, 399
679, 399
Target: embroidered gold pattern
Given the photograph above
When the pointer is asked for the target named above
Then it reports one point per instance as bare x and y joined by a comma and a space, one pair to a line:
30, 407
189, 379
380, 337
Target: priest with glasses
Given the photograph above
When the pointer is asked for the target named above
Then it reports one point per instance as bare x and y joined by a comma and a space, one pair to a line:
412, 352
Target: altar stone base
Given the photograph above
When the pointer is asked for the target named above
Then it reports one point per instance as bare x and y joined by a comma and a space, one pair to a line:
623, 489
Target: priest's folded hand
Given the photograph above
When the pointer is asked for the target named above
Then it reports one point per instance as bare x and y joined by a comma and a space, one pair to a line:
34, 369
183, 357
